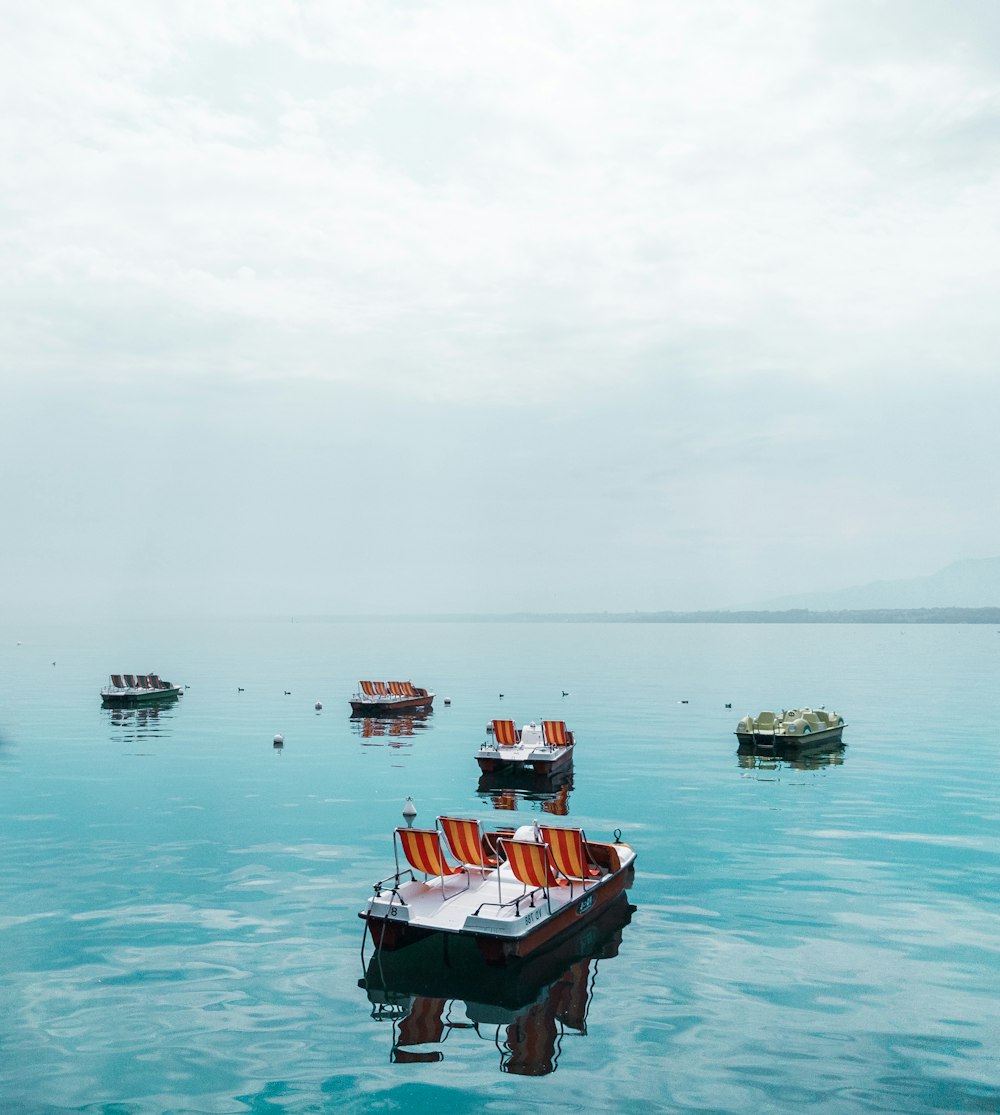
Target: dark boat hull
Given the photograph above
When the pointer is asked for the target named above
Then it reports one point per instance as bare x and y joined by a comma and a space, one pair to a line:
543, 766
390, 935
788, 742
449, 967
391, 707
140, 697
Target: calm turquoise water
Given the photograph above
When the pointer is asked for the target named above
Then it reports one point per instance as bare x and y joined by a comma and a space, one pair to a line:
178, 916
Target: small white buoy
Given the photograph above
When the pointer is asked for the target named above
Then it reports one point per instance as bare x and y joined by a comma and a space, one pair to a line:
447, 700
409, 810
279, 739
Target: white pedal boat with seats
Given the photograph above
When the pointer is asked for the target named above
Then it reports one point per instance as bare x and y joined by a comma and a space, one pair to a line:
511, 891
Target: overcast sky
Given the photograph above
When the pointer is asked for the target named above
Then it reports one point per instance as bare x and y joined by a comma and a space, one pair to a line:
568, 306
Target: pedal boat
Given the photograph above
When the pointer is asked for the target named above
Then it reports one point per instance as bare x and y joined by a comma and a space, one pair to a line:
513, 892
791, 729
542, 748
138, 689
387, 698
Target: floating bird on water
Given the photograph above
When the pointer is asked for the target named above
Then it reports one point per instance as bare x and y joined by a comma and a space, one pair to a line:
288, 692
239, 689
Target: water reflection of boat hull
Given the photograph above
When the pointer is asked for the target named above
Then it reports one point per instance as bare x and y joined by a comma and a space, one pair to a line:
393, 727
816, 755
531, 1004
507, 789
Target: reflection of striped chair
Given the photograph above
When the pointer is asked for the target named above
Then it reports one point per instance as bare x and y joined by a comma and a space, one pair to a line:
465, 839
569, 853
530, 1048
556, 734
424, 1025
423, 852
571, 996
505, 734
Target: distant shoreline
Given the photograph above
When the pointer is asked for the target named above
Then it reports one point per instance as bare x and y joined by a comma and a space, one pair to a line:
791, 615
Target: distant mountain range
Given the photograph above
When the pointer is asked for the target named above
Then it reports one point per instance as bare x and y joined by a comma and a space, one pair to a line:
973, 583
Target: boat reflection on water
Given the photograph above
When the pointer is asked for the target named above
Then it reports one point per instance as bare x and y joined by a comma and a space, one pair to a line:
441, 988
390, 731
138, 721
774, 756
510, 790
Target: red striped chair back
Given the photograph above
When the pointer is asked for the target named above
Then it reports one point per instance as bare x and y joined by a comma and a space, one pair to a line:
555, 733
368, 689
408, 690
465, 839
130, 681
116, 681
569, 854
423, 851
530, 862
380, 689
505, 733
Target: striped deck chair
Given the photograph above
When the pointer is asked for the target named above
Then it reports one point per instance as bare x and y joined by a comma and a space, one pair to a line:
154, 682
569, 853
505, 734
129, 681
532, 865
116, 681
424, 1025
556, 734
397, 689
408, 690
465, 839
423, 852
368, 689
381, 689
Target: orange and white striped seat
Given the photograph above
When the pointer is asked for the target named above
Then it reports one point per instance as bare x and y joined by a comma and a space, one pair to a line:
556, 734
531, 863
423, 852
381, 690
505, 734
569, 852
465, 839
